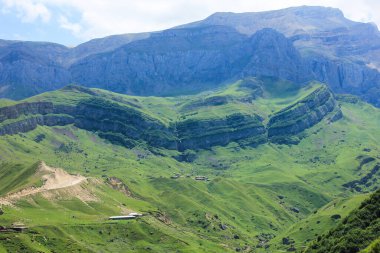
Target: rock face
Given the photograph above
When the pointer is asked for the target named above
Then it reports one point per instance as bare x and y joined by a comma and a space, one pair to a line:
13, 112
189, 59
129, 126
123, 124
338, 51
273, 55
226, 46
194, 134
26, 125
301, 115
30, 68
320, 29
102, 45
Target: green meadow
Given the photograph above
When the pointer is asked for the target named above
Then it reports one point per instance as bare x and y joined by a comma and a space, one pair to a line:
265, 198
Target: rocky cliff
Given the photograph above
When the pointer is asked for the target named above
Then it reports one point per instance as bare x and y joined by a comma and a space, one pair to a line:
285, 124
340, 52
190, 59
125, 123
298, 44
195, 134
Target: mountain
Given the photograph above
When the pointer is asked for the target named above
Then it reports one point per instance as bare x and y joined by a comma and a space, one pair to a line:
129, 123
260, 164
31, 68
102, 45
312, 28
299, 44
340, 52
252, 132
190, 59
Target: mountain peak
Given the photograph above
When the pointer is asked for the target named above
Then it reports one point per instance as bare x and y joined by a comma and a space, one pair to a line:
289, 21
304, 10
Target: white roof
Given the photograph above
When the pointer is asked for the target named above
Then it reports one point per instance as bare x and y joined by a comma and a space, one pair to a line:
120, 217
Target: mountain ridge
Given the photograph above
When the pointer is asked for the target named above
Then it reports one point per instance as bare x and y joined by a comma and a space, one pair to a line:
127, 124
228, 189
342, 53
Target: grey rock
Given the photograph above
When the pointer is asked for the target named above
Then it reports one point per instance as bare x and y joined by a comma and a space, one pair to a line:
128, 126
301, 115
317, 43
295, 209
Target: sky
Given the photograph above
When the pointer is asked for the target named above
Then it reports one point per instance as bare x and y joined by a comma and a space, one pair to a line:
71, 22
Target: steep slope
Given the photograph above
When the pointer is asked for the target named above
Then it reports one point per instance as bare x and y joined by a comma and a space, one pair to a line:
321, 29
102, 45
253, 196
198, 59
53, 179
290, 21
340, 52
124, 119
31, 68
292, 120
355, 232
206, 54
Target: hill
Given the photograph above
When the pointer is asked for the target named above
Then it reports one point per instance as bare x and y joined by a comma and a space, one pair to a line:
356, 232
237, 168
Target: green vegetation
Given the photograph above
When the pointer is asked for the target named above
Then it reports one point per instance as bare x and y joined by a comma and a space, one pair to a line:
256, 196
357, 231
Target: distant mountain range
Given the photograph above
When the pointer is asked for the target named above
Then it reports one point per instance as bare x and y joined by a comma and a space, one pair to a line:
298, 44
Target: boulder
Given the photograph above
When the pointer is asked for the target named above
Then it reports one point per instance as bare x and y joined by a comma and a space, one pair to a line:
295, 209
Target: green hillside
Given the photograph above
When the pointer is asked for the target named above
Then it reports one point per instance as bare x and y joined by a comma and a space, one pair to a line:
281, 161
356, 232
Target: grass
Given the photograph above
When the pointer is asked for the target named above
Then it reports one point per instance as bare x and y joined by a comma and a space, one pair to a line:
357, 231
251, 196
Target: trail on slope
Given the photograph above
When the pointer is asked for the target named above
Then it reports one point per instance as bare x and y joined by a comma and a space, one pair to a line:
53, 179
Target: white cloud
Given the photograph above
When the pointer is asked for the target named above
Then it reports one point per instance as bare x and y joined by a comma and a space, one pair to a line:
75, 28
27, 10
98, 18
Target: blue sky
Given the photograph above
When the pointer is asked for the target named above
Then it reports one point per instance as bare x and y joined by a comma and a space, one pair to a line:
71, 22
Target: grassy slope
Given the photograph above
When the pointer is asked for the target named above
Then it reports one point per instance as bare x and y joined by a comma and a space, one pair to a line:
356, 232
276, 95
243, 193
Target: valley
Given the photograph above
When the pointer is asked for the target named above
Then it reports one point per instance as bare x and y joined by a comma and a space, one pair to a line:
254, 132
262, 187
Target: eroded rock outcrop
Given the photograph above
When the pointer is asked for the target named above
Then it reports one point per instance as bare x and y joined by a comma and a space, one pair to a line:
129, 126
28, 124
195, 134
301, 115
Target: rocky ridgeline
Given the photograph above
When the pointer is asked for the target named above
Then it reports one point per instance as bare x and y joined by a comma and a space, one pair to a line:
13, 112
302, 115
129, 126
297, 44
236, 127
191, 59
28, 124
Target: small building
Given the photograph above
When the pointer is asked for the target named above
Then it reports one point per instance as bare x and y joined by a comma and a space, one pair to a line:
18, 228
175, 176
123, 217
201, 178
130, 216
